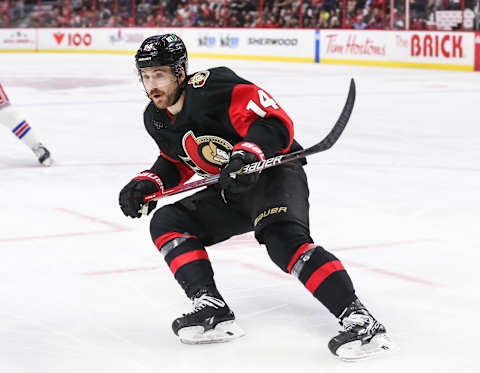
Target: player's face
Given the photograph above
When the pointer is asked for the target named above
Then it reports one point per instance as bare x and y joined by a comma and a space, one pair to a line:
160, 85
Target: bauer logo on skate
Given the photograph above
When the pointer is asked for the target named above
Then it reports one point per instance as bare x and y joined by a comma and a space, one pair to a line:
274, 210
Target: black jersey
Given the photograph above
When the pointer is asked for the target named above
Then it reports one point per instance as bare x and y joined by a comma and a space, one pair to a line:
220, 109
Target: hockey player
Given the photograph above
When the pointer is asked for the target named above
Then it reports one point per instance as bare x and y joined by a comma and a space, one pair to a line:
16, 123
214, 122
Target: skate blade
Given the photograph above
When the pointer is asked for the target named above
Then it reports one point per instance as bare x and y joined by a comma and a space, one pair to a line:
224, 332
355, 351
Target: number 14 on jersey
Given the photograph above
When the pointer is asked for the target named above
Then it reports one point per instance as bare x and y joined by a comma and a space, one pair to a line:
265, 101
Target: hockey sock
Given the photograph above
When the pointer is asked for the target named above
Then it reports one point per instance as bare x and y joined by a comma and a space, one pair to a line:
290, 247
10, 118
188, 260
324, 276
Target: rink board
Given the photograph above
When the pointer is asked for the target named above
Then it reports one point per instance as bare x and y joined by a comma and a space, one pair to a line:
419, 49
416, 49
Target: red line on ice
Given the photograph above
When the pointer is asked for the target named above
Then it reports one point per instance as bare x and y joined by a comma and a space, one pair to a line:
244, 238
116, 227
113, 228
113, 272
392, 274
60, 235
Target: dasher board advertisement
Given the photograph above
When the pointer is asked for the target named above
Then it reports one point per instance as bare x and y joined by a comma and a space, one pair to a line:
442, 50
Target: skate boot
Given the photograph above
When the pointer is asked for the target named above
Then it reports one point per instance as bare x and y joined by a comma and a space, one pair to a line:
362, 336
43, 155
210, 321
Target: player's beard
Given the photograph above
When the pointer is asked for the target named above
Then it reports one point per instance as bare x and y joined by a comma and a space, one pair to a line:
165, 97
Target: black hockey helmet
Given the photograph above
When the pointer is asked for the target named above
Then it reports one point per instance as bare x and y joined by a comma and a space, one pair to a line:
163, 50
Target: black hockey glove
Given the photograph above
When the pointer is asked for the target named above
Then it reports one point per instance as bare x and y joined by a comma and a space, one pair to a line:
131, 196
242, 154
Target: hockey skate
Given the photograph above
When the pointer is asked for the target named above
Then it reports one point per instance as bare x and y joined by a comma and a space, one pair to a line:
362, 336
43, 155
210, 321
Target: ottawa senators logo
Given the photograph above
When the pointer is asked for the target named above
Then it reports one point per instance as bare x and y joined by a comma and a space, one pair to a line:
199, 79
205, 154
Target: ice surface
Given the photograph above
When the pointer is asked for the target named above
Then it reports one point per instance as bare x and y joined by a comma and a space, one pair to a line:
83, 289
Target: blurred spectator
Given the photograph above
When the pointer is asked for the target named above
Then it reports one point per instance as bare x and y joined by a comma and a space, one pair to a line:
104, 14
3, 14
418, 9
358, 20
17, 9
477, 18
374, 19
359, 14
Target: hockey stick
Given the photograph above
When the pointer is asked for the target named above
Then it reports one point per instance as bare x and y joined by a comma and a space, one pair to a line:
323, 145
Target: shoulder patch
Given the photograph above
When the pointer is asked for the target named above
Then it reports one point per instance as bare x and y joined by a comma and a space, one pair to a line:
199, 79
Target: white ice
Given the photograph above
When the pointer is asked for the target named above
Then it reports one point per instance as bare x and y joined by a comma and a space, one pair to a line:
83, 289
